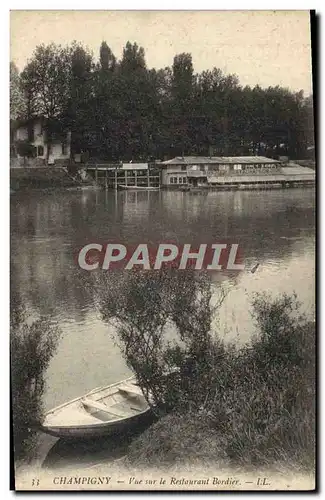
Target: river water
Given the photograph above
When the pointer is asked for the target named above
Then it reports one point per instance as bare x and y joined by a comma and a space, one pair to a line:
274, 228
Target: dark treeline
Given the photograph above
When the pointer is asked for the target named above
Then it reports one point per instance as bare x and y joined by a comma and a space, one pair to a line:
121, 110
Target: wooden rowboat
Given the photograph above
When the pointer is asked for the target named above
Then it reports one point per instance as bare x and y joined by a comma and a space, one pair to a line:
103, 411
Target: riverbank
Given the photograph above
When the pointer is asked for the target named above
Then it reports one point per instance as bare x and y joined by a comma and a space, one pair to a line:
277, 230
46, 178
59, 177
263, 414
264, 419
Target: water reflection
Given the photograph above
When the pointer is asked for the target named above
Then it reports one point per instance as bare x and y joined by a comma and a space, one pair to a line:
86, 453
274, 228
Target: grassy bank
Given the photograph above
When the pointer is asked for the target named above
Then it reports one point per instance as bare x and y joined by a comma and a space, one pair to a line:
262, 412
224, 406
26, 178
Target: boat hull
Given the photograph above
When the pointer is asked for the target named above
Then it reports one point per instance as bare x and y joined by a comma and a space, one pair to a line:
97, 430
87, 416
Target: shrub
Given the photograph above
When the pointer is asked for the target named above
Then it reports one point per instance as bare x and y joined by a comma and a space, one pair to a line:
254, 405
273, 403
145, 305
31, 348
25, 149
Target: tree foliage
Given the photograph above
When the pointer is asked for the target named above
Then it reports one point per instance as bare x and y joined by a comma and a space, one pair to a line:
46, 84
32, 345
48, 76
258, 401
145, 306
17, 100
107, 58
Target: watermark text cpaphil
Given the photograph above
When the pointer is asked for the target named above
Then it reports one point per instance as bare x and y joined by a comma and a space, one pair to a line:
212, 257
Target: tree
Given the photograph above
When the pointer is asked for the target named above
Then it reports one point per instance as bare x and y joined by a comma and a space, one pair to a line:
183, 77
182, 99
47, 79
209, 111
134, 89
308, 113
133, 59
159, 118
17, 101
79, 116
122, 110
106, 108
107, 58
143, 306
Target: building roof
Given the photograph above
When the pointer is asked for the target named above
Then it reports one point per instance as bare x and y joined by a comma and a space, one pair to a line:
305, 163
134, 166
195, 160
119, 166
294, 169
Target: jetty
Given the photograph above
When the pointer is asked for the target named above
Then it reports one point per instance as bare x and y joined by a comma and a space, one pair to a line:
197, 172
125, 175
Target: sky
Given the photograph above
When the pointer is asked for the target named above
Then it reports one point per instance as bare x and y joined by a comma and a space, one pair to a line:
262, 47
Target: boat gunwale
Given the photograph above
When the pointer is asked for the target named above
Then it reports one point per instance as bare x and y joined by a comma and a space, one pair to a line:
94, 391
81, 427
62, 428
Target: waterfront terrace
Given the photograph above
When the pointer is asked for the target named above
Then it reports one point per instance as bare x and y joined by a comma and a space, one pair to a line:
202, 171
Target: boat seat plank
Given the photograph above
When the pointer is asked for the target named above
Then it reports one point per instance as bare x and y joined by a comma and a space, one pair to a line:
131, 390
99, 406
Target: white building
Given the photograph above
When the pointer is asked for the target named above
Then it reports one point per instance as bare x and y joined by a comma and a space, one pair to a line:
203, 170
33, 131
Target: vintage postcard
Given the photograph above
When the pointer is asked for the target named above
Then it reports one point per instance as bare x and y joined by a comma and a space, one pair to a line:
162, 197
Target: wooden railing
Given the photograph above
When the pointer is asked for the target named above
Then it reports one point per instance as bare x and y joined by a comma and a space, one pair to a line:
112, 175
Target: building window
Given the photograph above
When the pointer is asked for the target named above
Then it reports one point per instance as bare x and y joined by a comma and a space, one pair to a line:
64, 148
173, 180
237, 167
40, 150
184, 167
30, 132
